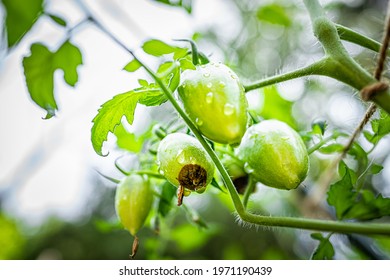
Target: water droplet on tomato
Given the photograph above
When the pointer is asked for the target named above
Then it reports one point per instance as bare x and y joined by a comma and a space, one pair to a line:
228, 109
248, 169
198, 121
209, 97
181, 157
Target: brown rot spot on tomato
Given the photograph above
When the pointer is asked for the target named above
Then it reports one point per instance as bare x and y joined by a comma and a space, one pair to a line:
192, 177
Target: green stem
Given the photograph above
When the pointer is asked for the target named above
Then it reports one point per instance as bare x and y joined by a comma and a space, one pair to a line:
249, 190
312, 69
352, 36
320, 225
323, 141
302, 223
347, 70
149, 174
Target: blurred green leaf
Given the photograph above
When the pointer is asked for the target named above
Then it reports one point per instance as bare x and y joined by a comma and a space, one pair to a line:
275, 107
185, 4
380, 128
105, 226
369, 207
324, 250
188, 237
132, 66
165, 203
20, 17
157, 48
331, 148
129, 141
376, 168
274, 14
319, 127
11, 239
39, 70
58, 20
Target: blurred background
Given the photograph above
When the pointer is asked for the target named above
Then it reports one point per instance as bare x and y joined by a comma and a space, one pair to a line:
55, 205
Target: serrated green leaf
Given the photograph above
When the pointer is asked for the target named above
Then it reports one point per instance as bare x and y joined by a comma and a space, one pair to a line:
153, 98
20, 17
340, 194
331, 148
165, 203
274, 14
110, 114
58, 20
324, 250
360, 155
132, 66
157, 48
39, 70
380, 128
369, 207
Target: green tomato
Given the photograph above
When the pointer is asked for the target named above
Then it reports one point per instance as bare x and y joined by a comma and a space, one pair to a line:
184, 162
214, 99
274, 154
133, 201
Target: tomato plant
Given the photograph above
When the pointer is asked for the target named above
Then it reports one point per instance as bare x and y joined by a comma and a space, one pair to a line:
221, 125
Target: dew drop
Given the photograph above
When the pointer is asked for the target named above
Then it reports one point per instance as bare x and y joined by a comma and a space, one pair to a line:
209, 85
228, 109
206, 75
233, 77
222, 84
183, 85
198, 121
181, 157
161, 171
248, 169
209, 97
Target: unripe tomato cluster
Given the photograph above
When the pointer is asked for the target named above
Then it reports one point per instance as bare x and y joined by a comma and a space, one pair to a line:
270, 152
214, 99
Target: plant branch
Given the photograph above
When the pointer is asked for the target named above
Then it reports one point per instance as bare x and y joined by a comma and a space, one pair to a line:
312, 69
352, 36
249, 190
329, 174
302, 223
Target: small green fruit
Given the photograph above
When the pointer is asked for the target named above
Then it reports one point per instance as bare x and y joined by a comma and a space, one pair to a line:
214, 99
274, 154
184, 162
133, 201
